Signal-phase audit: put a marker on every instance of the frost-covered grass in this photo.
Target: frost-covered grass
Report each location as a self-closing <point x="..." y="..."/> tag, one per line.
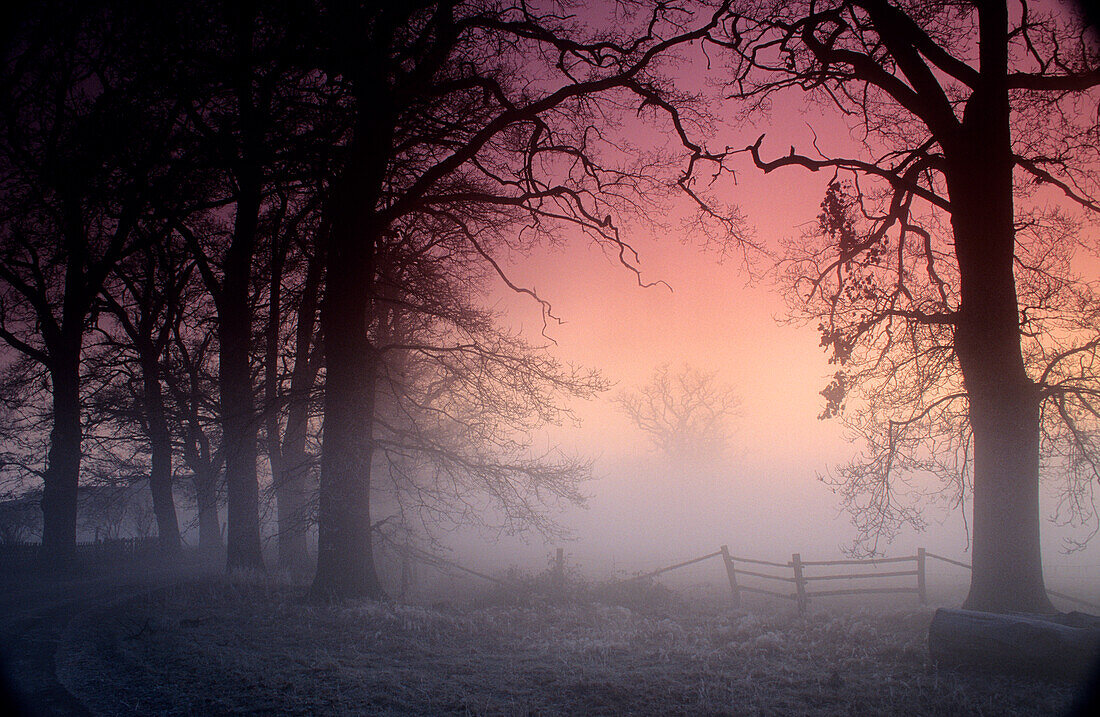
<point x="251" y="645"/>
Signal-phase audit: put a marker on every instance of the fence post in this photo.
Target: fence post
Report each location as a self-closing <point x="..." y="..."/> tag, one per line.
<point x="558" y="578"/>
<point x="799" y="582"/>
<point x="731" y="573"/>
<point x="921" y="588"/>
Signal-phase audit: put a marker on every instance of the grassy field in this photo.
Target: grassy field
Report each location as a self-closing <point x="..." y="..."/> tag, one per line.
<point x="252" y="646"/>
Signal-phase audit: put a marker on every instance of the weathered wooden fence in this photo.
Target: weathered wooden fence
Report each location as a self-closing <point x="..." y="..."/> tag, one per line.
<point x="1050" y="592"/>
<point x="796" y="580"/>
<point x="804" y="575"/>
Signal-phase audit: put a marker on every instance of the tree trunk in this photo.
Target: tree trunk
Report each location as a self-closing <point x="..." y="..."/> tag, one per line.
<point x="238" y="414"/>
<point x="292" y="494"/>
<point x="1004" y="402"/>
<point x="62" y="475"/>
<point x="205" y="464"/>
<point x="160" y="470"/>
<point x="206" y="498"/>
<point x="345" y="558"/>
<point x="286" y="450"/>
<point x="345" y="561"/>
<point x="297" y="490"/>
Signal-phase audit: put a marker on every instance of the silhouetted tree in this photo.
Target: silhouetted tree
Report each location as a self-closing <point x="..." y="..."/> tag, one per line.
<point x="258" y="118"/>
<point x="293" y="356"/>
<point x="684" y="413"/>
<point x="191" y="377"/>
<point x="144" y="298"/>
<point x="458" y="398"/>
<point x="924" y="271"/>
<point x="442" y="124"/>
<point x="84" y="132"/>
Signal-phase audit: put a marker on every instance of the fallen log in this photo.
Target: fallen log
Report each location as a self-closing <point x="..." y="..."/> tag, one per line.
<point x="1065" y="645"/>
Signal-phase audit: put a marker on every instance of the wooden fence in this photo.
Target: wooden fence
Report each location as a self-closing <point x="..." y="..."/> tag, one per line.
<point x="795" y="580"/>
<point x="804" y="575"/>
<point x="1050" y="592"/>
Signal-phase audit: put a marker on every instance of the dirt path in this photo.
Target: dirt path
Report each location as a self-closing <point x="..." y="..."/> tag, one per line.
<point x="35" y="612"/>
<point x="29" y="641"/>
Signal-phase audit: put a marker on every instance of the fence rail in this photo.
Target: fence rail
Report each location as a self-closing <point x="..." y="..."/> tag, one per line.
<point x="801" y="580"/>
<point x="684" y="564"/>
<point x="1063" y="596"/>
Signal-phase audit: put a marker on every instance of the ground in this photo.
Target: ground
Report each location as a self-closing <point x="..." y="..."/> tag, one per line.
<point x="250" y="644"/>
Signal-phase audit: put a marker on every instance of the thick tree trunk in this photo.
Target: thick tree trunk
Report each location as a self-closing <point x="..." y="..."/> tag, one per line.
<point x="237" y="406"/>
<point x="345" y="559"/>
<point x="62" y="475"/>
<point x="1007" y="563"/>
<point x="1004" y="418"/>
<point x="160" y="470"/>
<point x="1004" y="407"/>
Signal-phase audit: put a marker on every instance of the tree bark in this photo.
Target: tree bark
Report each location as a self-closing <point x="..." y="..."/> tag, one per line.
<point x="292" y="494"/>
<point x="65" y="342"/>
<point x="293" y="491"/>
<point x="203" y="463"/>
<point x="1003" y="401"/>
<point x="160" y="468"/>
<point x="62" y="475"/>
<point x="287" y="449"/>
<point x="238" y="413"/>
<point x="206" y="498"/>
<point x="345" y="558"/>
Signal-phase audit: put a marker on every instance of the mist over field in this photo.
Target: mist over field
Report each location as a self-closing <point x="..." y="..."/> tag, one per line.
<point x="510" y="357"/>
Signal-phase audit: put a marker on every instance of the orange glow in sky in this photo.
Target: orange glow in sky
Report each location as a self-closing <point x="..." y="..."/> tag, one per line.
<point x="766" y="497"/>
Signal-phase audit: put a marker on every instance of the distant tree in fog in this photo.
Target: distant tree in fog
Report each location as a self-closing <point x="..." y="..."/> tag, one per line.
<point x="686" y="412"/>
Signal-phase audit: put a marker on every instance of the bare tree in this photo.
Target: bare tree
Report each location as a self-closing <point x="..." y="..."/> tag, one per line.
<point x="441" y="123"/>
<point x="84" y="132"/>
<point x="939" y="284"/>
<point x="144" y="298"/>
<point x="686" y="412"/>
<point x="260" y="125"/>
<point x="293" y="355"/>
<point x="191" y="377"/>
<point x="459" y="398"/>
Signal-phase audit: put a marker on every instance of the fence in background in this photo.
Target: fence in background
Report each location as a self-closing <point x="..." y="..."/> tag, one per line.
<point x="805" y="575"/>
<point x="796" y="580"/>
<point x="18" y="555"/>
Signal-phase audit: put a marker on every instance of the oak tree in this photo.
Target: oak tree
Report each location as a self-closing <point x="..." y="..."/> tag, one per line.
<point x="940" y="283"/>
<point x="444" y="124"/>
<point x="683" y="412"/>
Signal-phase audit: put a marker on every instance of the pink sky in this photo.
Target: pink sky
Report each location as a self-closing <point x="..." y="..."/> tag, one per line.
<point x="768" y="496"/>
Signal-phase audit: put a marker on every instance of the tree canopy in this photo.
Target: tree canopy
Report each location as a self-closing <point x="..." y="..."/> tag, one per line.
<point x="940" y="271"/>
<point x="684" y="412"/>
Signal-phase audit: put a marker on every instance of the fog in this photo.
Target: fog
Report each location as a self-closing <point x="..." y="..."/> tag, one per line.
<point x="388" y="358"/>
<point x="764" y="497"/>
